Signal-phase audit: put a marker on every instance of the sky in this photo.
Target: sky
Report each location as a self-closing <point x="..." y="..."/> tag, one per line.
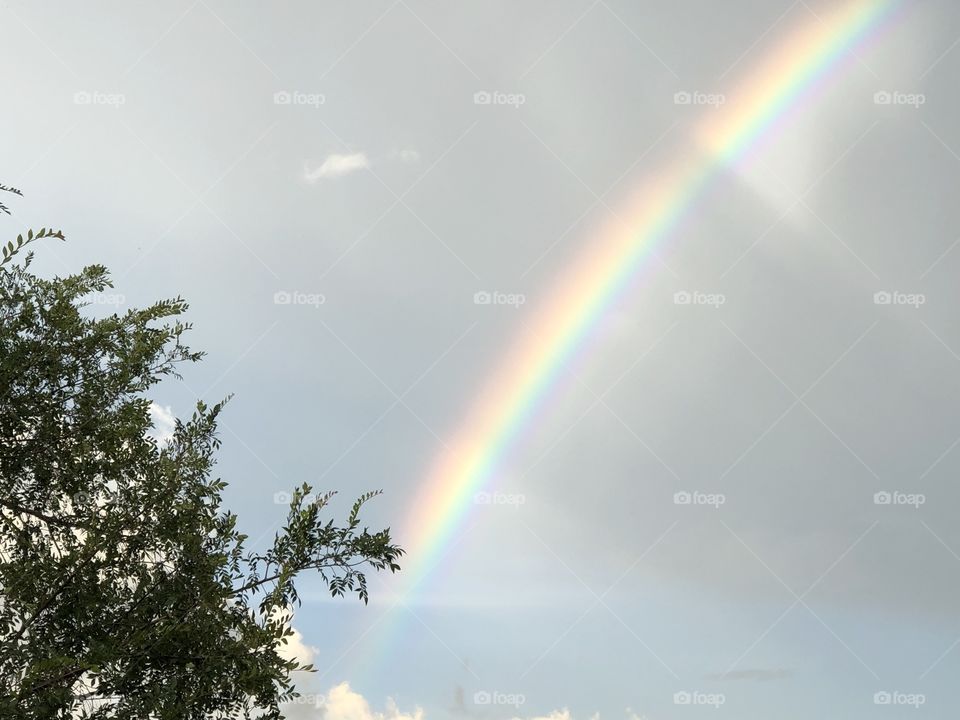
<point x="737" y="498"/>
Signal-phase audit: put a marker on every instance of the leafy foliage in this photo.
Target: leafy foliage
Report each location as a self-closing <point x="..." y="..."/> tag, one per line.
<point x="7" y="188"/>
<point x="126" y="591"/>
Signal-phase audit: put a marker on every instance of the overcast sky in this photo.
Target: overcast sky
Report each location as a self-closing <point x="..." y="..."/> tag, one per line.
<point x="324" y="185"/>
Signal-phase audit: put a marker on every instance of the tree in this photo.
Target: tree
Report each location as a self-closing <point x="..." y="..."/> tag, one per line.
<point x="126" y="591"/>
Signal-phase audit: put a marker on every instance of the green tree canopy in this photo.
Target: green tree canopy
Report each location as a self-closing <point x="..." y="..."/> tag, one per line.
<point x="126" y="590"/>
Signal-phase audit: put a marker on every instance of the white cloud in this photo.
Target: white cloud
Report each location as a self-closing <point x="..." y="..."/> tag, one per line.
<point x="164" y="421"/>
<point x="295" y="648"/>
<point x="342" y="703"/>
<point x="336" y="166"/>
<point x="556" y="715"/>
<point x="408" y="155"/>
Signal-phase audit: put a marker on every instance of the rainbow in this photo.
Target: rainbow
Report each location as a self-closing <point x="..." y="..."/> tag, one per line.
<point x="595" y="282"/>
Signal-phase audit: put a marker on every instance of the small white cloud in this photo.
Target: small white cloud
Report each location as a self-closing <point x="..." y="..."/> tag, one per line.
<point x="295" y="648"/>
<point x="337" y="166"/>
<point x="408" y="155"/>
<point x="555" y="715"/>
<point x="164" y="421"/>
<point x="342" y="703"/>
